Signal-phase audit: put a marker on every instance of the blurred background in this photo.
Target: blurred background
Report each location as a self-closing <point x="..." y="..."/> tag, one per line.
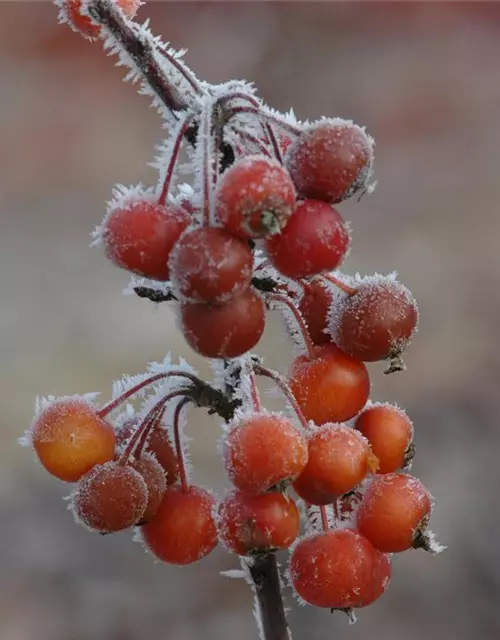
<point x="425" y="80"/>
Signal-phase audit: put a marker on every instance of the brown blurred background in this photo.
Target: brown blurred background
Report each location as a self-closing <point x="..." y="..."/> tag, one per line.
<point x="425" y="79"/>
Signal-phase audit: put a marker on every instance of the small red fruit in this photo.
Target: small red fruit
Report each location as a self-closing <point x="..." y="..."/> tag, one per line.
<point x="224" y="330"/>
<point x="394" y="510"/>
<point x="257" y="524"/>
<point x="315" y="240"/>
<point x="140" y="236"/>
<point x="382" y="574"/>
<point x="377" y="322"/>
<point x="315" y="308"/>
<point x="390" y="433"/>
<point x="331" y="160"/>
<point x="156" y="483"/>
<point x="339" y="459"/>
<point x="183" y="530"/>
<point x="334" y="569"/>
<point x="255" y="197"/>
<point x="209" y="264"/>
<point x="332" y="387"/>
<point x="263" y="451"/>
<point x="69" y="439"/>
<point x="110" y="498"/>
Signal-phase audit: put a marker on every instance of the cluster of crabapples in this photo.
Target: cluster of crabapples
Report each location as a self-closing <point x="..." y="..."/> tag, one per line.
<point x="260" y="231"/>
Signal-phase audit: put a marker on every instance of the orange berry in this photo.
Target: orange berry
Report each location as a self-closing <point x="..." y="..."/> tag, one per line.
<point x="395" y="508"/>
<point x="263" y="451"/>
<point x="69" y="438"/>
<point x="390" y="433"/>
<point x="339" y="459"/>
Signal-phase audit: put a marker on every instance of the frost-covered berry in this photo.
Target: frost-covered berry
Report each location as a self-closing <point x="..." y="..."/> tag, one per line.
<point x="224" y="330"/>
<point x="395" y="510"/>
<point x="339" y="459"/>
<point x="334" y="569"/>
<point x="263" y="451"/>
<point x="255" y="197"/>
<point x="110" y="498"/>
<point x="330" y="386"/>
<point x="139" y="236"/>
<point x="377" y="322"/>
<point x="70" y="438"/>
<point x="208" y="264"/>
<point x="315" y="239"/>
<point x="257" y="524"/>
<point x="331" y="160"/>
<point x="389" y="431"/>
<point x="183" y="529"/>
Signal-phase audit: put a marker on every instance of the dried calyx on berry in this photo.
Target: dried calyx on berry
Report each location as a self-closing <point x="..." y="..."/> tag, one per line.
<point x="254" y="231"/>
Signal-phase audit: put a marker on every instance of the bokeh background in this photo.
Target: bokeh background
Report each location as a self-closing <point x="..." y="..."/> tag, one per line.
<point x="425" y="79"/>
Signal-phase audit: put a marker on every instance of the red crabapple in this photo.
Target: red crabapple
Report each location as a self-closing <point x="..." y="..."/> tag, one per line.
<point x="257" y="524"/>
<point x="110" y="498"/>
<point x="208" y="264"/>
<point x="315" y="239"/>
<point x="334" y="569"/>
<point x="377" y="322"/>
<point x="315" y="307"/>
<point x="263" y="451"/>
<point x="225" y="330"/>
<point x="390" y="433"/>
<point x="339" y="459"/>
<point x="382" y="574"/>
<point x="156" y="482"/>
<point x="183" y="529"/>
<point x="331" y="160"/>
<point x="72" y="10"/>
<point x="255" y="197"/>
<point x="332" y="387"/>
<point x="69" y="438"/>
<point x="395" y="509"/>
<point x="140" y="236"/>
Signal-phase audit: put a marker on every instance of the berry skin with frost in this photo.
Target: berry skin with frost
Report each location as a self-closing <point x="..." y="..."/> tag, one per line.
<point x="110" y="498"/>
<point x="225" y="330"/>
<point x="315" y="240"/>
<point x="183" y="530"/>
<point x="339" y="459"/>
<point x="257" y="524"/>
<point x="156" y="482"/>
<point x="331" y="386"/>
<point x="263" y="451"/>
<point x="255" y="197"/>
<point x="208" y="264"/>
<point x="69" y="438"/>
<point x="140" y="236"/>
<point x="331" y="161"/>
<point x="334" y="569"/>
<point x="395" y="510"/>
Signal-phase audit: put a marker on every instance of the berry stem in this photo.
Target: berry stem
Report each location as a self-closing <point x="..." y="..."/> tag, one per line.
<point x="267" y="589"/>
<point x="144" y="429"/>
<point x="287" y="392"/>
<point x="178" y="443"/>
<point x="299" y="320"/>
<point x="274" y="142"/>
<point x="179" y="136"/>
<point x="324" y="518"/>
<point x="254" y="392"/>
<point x="111" y="406"/>
<point x="248" y="137"/>
<point x="338" y="283"/>
<point x="208" y="168"/>
<point x="266" y="116"/>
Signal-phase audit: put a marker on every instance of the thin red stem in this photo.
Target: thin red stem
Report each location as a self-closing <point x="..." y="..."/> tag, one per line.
<point x="338" y="283"/>
<point x="206" y="163"/>
<point x="156" y="419"/>
<point x="287" y="392"/>
<point x="267" y="117"/>
<point x="301" y="325"/>
<point x="274" y="142"/>
<point x="185" y="72"/>
<point x="173" y="159"/>
<point x="111" y="406"/>
<point x="178" y="443"/>
<point x="255" y="393"/>
<point x="324" y="518"/>
<point x="245" y="135"/>
<point x="147" y="423"/>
